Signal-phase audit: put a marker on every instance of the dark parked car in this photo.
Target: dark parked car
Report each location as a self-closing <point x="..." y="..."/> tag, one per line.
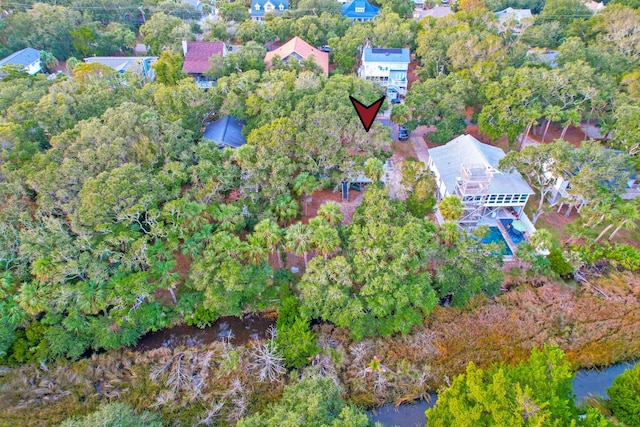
<point x="403" y="134"/>
<point x="325" y="49"/>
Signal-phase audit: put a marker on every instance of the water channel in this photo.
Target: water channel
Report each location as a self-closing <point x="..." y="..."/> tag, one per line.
<point x="253" y="326"/>
<point x="586" y="382"/>
<point x="238" y="330"/>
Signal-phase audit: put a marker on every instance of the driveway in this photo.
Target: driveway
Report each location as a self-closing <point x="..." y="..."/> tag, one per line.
<point x="419" y="146"/>
<point x="387" y="122"/>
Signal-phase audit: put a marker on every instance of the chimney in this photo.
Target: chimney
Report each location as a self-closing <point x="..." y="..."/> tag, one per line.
<point x="184" y="47"/>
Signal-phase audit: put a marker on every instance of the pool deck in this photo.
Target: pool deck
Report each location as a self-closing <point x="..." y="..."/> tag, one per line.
<point x="495" y="222"/>
<point x="507" y="237"/>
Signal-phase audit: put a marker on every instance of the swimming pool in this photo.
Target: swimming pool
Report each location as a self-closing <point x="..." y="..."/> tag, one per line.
<point x="495" y="236"/>
<point x="515" y="235"/>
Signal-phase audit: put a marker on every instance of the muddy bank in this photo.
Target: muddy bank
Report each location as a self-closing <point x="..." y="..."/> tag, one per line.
<point x="235" y="330"/>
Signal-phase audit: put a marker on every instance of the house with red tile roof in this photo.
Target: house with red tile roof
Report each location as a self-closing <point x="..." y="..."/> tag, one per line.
<point x="196" y="59"/>
<point x="297" y="49"/>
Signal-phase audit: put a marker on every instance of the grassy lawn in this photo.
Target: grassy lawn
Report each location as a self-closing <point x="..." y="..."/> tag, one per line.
<point x="548" y="221"/>
<point x="555" y="233"/>
<point x="556" y="224"/>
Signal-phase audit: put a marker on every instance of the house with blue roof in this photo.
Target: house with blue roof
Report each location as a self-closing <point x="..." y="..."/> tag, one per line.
<point x="259" y="8"/>
<point x="28" y="59"/>
<point x="387" y="67"/>
<point x="360" y="10"/>
<point x="225" y="132"/>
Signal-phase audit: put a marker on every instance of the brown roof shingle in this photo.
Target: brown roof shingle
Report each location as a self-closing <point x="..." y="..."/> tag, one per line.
<point x="196" y="60"/>
<point x="303" y="49"/>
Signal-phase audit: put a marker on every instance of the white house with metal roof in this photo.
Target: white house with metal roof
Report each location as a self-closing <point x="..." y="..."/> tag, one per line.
<point x="28" y="58"/>
<point x="511" y="14"/>
<point x="135" y="64"/>
<point x="468" y="169"/>
<point x="387" y="67"/>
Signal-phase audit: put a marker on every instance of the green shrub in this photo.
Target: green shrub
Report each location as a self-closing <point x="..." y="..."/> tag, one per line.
<point x="294" y="338"/>
<point x="313" y="402"/>
<point x="420" y="207"/>
<point x="29" y="345"/>
<point x="625" y="397"/>
<point x="619" y="255"/>
<point x="115" y="415"/>
<point x="559" y="264"/>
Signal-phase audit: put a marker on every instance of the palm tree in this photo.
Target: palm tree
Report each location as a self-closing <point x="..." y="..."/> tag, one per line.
<point x="629" y="216"/>
<point x="532" y="115"/>
<point x="551" y="113"/>
<point x="303" y="185"/>
<point x="451" y="208"/>
<point x="373" y="169"/>
<point x="269" y="234"/>
<point x="542" y="240"/>
<point x="613" y="215"/>
<point x="572" y="118"/>
<point x="164" y="271"/>
<point x="449" y="233"/>
<point x="254" y="251"/>
<point x="285" y="208"/>
<point x="325" y="239"/>
<point x="298" y="240"/>
<point x="332" y="212"/>
<point x="227" y="216"/>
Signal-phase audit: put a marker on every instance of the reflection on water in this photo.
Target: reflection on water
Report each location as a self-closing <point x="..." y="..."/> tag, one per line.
<point x="586" y="382"/>
<point x="409" y="415"/>
<point x="234" y="329"/>
<point x="258" y="326"/>
<point x="597" y="381"/>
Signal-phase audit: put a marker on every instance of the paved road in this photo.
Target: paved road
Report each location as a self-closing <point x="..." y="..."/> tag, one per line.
<point x="387" y="122"/>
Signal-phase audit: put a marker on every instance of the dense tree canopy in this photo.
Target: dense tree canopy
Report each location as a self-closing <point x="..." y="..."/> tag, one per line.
<point x="536" y="391"/>
<point x="118" y="218"/>
<point x="313" y="402"/>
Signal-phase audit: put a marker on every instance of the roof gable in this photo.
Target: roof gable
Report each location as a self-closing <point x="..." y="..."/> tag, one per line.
<point x="511" y="13"/>
<point x="196" y="59"/>
<point x="467" y="150"/>
<point x="275" y="3"/>
<point x="298" y="46"/>
<point x="349" y="10"/>
<point x="225" y="131"/>
<point x="24" y="57"/>
<point x="278" y="5"/>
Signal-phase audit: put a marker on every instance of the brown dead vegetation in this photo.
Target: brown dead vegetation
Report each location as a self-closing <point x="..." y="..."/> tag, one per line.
<point x="219" y="380"/>
<point x="591" y="330"/>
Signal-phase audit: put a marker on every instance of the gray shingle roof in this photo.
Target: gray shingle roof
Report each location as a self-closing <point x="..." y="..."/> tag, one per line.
<point x="465" y="149"/>
<point x="225" y="131"/>
<point x="24" y="57"/>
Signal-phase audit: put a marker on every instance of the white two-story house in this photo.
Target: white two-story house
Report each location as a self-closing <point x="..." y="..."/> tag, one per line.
<point x="468" y="169"/>
<point x="27" y="59"/>
<point x="387" y="67"/>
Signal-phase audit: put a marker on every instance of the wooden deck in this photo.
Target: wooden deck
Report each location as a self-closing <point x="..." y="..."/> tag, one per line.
<point x="507" y="237"/>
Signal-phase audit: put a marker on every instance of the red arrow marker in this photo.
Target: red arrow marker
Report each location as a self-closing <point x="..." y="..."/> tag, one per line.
<point x="366" y="113"/>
